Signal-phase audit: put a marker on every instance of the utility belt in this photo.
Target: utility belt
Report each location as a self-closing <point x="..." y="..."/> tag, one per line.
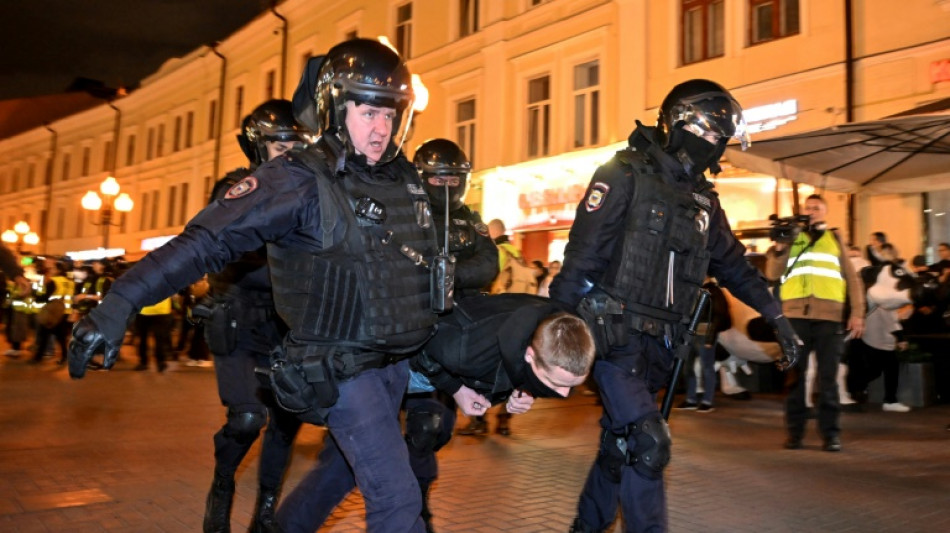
<point x="305" y="377"/>
<point x="611" y="321"/>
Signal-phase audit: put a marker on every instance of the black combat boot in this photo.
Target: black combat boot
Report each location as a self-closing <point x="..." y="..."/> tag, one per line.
<point x="504" y="424"/>
<point x="265" y="514"/>
<point x="218" y="506"/>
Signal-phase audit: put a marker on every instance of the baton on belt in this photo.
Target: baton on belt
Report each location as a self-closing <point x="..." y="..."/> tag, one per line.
<point x="682" y="351"/>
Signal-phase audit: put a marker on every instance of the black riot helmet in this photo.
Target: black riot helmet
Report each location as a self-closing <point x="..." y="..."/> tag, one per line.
<point x="271" y="121"/>
<point x="700" y="110"/>
<point x="366" y="72"/>
<point x="446" y="164"/>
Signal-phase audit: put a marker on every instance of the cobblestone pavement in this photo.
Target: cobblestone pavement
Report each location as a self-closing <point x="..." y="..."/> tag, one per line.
<point x="128" y="451"/>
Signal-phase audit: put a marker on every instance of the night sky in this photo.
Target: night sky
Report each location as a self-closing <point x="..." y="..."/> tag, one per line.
<point x="46" y="44"/>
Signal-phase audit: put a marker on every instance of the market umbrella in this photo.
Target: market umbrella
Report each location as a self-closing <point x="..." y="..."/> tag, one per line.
<point x="900" y="154"/>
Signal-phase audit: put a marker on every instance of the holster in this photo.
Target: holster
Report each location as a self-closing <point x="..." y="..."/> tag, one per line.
<point x="304" y="381"/>
<point x="221" y="329"/>
<point x="604" y="316"/>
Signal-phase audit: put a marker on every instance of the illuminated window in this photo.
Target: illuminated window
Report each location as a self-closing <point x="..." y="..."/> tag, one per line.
<point x="468" y="17"/>
<point x="539" y="116"/>
<point x="404" y="30"/>
<point x="586" y="104"/>
<point x="703" y="30"/>
<point x="465" y="127"/>
<point x="772" y="19"/>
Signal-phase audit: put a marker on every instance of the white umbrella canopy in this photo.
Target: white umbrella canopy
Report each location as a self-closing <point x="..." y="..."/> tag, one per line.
<point x="901" y="154"/>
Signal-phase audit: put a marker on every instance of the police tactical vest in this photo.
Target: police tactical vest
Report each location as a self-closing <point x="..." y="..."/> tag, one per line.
<point x="660" y="266"/>
<point x="361" y="292"/>
<point x="814" y="269"/>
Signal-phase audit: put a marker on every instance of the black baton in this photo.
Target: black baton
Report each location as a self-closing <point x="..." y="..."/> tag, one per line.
<point x="682" y="352"/>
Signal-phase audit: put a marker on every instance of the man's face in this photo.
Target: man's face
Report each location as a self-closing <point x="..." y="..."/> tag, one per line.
<point x="276" y="148"/>
<point x="943" y="251"/>
<point x="816" y="210"/>
<point x="556" y="378"/>
<point x="370" y="128"/>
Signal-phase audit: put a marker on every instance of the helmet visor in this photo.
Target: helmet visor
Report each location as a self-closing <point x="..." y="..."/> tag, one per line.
<point x="713" y="116"/>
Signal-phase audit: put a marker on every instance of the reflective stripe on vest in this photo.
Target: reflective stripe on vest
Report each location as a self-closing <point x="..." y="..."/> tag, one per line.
<point x="816" y="272"/>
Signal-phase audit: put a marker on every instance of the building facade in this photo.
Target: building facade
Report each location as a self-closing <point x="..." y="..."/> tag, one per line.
<point x="538" y="92"/>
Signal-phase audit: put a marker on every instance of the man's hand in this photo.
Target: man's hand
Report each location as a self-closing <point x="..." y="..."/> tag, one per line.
<point x="789" y="342"/>
<point x="470" y="402"/>
<point x="101" y="331"/>
<point x="856" y="327"/>
<point x="519" y="402"/>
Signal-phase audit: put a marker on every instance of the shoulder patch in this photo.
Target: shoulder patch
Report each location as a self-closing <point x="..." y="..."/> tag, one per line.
<point x="415" y="189"/>
<point x="482" y="229"/>
<point x="596" y="196"/>
<point x="242" y="188"/>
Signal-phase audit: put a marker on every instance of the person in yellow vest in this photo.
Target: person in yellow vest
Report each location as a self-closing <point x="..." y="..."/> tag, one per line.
<point x="55" y="291"/>
<point x="823" y="298"/>
<point x="154" y="320"/>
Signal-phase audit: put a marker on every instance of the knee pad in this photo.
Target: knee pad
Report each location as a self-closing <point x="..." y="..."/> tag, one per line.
<point x="423" y="431"/>
<point x="245" y="425"/>
<point x="648" y="445"/>
<point x="613" y="454"/>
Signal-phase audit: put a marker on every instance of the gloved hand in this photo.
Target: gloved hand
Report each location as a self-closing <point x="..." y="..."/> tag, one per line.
<point x="789" y="342"/>
<point x="102" y="330"/>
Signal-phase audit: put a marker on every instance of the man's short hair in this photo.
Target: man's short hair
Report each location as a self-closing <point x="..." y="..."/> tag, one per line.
<point x="816" y="197"/>
<point x="563" y="340"/>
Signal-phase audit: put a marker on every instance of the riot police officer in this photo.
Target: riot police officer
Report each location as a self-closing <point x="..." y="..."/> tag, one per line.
<point x="647" y="232"/>
<point x="242" y="328"/>
<point x="348" y="231"/>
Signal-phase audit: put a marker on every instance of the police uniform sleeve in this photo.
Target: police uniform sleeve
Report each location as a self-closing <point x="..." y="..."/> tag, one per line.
<point x="481" y="268"/>
<point x="730" y="267"/>
<point x="598" y="227"/>
<point x="261" y="208"/>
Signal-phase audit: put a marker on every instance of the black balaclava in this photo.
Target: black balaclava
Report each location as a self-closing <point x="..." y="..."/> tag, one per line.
<point x="695" y="153"/>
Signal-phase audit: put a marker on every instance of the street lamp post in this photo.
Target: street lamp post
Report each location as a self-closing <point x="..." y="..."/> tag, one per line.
<point x="110" y="202"/>
<point x="20" y="235"/>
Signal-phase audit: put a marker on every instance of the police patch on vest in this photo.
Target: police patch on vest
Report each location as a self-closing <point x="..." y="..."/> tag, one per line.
<point x="460" y="222"/>
<point x="702" y="200"/>
<point x="242" y="188"/>
<point x="415" y="189"/>
<point x="702" y="221"/>
<point x="595" y="198"/>
<point x="482" y="229"/>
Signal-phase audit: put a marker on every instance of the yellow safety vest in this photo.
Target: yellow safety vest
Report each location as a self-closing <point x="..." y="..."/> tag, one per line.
<point x="65" y="288"/>
<point x="814" y="270"/>
<point x="163" y="307"/>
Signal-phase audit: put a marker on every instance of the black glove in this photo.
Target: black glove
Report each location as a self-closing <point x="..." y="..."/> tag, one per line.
<point x="102" y="330"/>
<point x="789" y="342"/>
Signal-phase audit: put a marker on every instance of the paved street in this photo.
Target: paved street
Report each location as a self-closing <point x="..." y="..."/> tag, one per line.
<point x="126" y="451"/>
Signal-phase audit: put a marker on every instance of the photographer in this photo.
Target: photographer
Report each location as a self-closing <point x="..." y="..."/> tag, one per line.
<point x="823" y="297"/>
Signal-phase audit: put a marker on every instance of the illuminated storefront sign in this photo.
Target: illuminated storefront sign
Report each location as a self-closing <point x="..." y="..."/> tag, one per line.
<point x="770" y="116"/>
<point x="98" y="253"/>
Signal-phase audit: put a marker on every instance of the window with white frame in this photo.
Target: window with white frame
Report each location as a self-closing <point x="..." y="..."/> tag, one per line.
<point x="176" y="136"/>
<point x="468" y="17"/>
<point x="160" y="141"/>
<point x="465" y="127"/>
<point x="150" y="145"/>
<point x="586" y="104"/>
<point x="189" y="128"/>
<point x="404" y="30"/>
<point x="539" y="116"/>
<point x="703" y="30"/>
<point x="772" y="19"/>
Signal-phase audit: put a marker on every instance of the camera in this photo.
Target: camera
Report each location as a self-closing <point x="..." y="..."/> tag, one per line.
<point x="786" y="229"/>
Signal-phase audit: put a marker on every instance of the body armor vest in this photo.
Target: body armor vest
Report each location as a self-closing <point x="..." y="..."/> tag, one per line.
<point x="660" y="266"/>
<point x="361" y="292"/>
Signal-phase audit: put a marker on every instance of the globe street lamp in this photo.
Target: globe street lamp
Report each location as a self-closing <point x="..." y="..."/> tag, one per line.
<point x="20" y="235"/>
<point x="110" y="202"/>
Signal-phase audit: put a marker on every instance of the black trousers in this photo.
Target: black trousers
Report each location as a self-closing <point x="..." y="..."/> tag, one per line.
<point x="826" y="339"/>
